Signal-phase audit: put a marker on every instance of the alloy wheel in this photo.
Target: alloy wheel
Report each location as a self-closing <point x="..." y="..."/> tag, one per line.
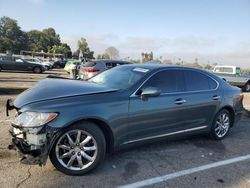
<point x="76" y="150"/>
<point x="222" y="125"/>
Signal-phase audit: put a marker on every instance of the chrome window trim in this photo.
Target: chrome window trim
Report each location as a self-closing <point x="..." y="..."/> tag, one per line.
<point x="164" y="135"/>
<point x="179" y="92"/>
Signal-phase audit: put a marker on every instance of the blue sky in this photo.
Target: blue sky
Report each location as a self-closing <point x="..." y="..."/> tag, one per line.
<point x="210" y="30"/>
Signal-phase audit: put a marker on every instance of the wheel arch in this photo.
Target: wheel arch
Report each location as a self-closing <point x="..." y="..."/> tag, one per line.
<point x="105" y="128"/>
<point x="230" y="110"/>
<point x="244" y="87"/>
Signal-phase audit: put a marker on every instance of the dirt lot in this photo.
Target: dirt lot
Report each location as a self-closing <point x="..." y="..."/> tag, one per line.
<point x="161" y="160"/>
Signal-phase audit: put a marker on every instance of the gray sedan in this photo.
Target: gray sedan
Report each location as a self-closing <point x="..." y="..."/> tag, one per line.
<point x="76" y="123"/>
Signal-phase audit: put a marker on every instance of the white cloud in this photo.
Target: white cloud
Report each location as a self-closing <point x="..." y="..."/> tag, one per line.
<point x="98" y="43"/>
<point x="207" y="50"/>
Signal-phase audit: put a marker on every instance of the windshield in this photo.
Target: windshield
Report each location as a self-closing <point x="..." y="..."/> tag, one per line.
<point x="120" y="77"/>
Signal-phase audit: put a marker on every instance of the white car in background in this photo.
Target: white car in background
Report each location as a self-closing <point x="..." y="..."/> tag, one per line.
<point x="48" y="65"/>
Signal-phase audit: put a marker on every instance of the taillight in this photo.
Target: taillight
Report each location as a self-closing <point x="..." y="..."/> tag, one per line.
<point x="90" y="69"/>
<point x="241" y="96"/>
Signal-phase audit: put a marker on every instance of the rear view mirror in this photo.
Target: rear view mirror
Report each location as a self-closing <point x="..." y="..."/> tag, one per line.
<point x="150" y="92"/>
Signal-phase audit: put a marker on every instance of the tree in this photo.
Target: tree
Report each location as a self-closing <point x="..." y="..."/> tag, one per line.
<point x="83" y="49"/>
<point x="147" y="56"/>
<point x="67" y="52"/>
<point x="208" y="67"/>
<point x="103" y="56"/>
<point x="37" y="41"/>
<point x="61" y="49"/>
<point x="12" y="38"/>
<point x="43" y="40"/>
<point x="52" y="37"/>
<point x="112" y="52"/>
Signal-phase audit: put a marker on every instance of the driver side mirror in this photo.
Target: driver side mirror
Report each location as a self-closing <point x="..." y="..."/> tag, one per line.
<point x="150" y="92"/>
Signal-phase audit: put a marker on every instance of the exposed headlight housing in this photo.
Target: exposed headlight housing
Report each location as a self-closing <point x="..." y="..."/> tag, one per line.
<point x="33" y="119"/>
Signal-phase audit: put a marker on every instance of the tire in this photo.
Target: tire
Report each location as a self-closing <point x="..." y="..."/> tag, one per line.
<point x="37" y="70"/>
<point x="221" y="125"/>
<point x="92" y="146"/>
<point x="247" y="87"/>
<point x="0" y="68"/>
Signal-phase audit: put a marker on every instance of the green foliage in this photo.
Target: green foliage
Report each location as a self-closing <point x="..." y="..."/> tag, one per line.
<point x="12" y="38"/>
<point x="61" y="49"/>
<point x="245" y="71"/>
<point x="208" y="67"/>
<point x="147" y="57"/>
<point x="83" y="49"/>
<point x="43" y="40"/>
<point x="103" y="56"/>
<point x="37" y="41"/>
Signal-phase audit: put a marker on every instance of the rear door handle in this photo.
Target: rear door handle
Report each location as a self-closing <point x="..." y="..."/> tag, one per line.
<point x="216" y="97"/>
<point x="180" y="101"/>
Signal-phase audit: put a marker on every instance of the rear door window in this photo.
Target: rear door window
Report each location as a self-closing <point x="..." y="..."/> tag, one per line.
<point x="196" y="81"/>
<point x="167" y="81"/>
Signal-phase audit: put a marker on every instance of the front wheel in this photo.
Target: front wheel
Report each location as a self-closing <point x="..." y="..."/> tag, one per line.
<point x="79" y="149"/>
<point x="46" y="68"/>
<point x="221" y="125"/>
<point x="37" y="70"/>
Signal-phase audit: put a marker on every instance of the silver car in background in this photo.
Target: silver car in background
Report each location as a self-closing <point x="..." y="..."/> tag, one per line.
<point x="92" y="68"/>
<point x="48" y="65"/>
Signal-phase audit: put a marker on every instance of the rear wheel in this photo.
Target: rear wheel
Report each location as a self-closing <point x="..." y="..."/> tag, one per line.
<point x="221" y="125"/>
<point x="37" y="70"/>
<point x="247" y="87"/>
<point x="79" y="149"/>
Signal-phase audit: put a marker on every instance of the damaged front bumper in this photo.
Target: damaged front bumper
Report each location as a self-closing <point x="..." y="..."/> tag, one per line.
<point x="32" y="144"/>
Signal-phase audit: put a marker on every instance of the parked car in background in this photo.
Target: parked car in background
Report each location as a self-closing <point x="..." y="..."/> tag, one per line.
<point x="232" y="74"/>
<point x="94" y="67"/>
<point x="60" y="64"/>
<point x="48" y="65"/>
<point x="76" y="122"/>
<point x="13" y="63"/>
<point x="71" y="64"/>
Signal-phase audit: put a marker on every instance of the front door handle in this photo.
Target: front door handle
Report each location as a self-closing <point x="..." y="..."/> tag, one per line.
<point x="216" y="97"/>
<point x="180" y="101"/>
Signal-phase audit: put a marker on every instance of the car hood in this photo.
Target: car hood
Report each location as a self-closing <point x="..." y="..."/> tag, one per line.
<point x="48" y="89"/>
